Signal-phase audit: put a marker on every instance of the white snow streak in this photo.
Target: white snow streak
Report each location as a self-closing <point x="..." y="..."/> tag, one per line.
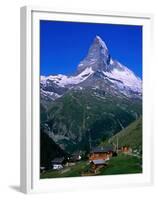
<point x="63" y="80"/>
<point x="127" y="77"/>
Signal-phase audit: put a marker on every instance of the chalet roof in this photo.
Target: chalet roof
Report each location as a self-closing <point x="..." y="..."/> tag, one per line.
<point x="78" y="153"/>
<point x="99" y="162"/>
<point x="58" y="160"/>
<point x="102" y="149"/>
<point x="74" y="157"/>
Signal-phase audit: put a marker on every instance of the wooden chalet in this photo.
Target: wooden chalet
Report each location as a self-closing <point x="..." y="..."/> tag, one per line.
<point x="101" y="153"/>
<point x="97" y="164"/>
<point x="75" y="157"/>
<point x="126" y="149"/>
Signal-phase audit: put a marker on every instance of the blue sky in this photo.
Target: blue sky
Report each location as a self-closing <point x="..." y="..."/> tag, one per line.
<point x="64" y="44"/>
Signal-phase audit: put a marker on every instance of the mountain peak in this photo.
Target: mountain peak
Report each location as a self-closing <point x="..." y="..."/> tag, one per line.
<point x="98" y="56"/>
<point x="99" y="41"/>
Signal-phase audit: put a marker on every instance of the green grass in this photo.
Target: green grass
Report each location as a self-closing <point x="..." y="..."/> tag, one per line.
<point x="122" y="164"/>
<point x="74" y="171"/>
<point x="131" y="136"/>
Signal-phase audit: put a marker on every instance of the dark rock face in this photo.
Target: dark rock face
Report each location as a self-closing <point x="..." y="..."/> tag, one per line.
<point x="49" y="150"/>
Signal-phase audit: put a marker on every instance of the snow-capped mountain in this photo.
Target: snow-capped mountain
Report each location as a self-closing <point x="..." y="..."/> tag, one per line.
<point x="97" y="70"/>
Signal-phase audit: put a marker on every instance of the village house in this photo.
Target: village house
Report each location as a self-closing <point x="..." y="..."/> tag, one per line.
<point x="42" y="169"/>
<point x="58" y="163"/>
<point x="126" y="149"/>
<point x="99" y="156"/>
<point x="75" y="157"/>
<point x="101" y="153"/>
<point x="97" y="164"/>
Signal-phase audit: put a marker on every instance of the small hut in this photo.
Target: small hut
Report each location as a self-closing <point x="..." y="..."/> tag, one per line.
<point x="58" y="163"/>
<point x="75" y="157"/>
<point x="126" y="149"/>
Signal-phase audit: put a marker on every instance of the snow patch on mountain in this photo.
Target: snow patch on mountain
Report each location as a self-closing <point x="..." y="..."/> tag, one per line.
<point x="51" y="95"/>
<point x="127" y="77"/>
<point x="63" y="80"/>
